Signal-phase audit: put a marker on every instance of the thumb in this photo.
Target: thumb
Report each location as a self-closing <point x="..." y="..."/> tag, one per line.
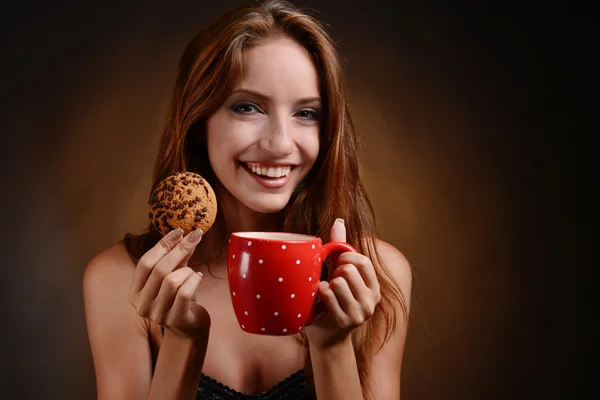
<point x="338" y="231"/>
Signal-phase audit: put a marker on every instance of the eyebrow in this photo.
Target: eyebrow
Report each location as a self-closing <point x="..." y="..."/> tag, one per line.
<point x="262" y="96"/>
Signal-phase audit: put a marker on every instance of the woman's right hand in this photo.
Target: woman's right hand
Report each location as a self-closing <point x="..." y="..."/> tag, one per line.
<point x="163" y="286"/>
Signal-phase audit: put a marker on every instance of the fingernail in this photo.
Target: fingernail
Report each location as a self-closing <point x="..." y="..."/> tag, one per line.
<point x="200" y="273"/>
<point x="340" y="220"/>
<point x="195" y="236"/>
<point x="174" y="235"/>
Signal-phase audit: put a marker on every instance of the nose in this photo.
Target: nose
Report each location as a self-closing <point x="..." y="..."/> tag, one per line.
<point x="277" y="140"/>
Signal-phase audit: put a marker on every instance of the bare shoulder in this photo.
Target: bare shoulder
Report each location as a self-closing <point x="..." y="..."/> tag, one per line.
<point x="118" y="336"/>
<point x="386" y="364"/>
<point x="110" y="266"/>
<point x="396" y="265"/>
<point x="106" y="283"/>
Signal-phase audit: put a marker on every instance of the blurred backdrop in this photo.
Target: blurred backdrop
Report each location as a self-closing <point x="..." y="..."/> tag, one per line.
<point x="471" y="117"/>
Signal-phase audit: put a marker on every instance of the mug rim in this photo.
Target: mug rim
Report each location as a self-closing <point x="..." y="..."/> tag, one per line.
<point x="276" y="236"/>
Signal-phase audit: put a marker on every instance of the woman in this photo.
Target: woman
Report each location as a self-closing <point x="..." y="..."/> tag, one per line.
<point x="261" y="85"/>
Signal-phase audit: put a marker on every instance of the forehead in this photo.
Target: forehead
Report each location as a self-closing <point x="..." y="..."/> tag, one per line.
<point x="279" y="67"/>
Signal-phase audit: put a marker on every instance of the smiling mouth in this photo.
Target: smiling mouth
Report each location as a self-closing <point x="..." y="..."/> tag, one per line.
<point x="268" y="171"/>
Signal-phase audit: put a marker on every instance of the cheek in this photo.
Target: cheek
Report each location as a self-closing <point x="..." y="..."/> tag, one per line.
<point x="226" y="137"/>
<point x="212" y="140"/>
<point x="309" y="146"/>
<point x="219" y="144"/>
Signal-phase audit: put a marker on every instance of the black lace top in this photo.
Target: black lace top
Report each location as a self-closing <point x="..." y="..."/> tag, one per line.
<point x="293" y="387"/>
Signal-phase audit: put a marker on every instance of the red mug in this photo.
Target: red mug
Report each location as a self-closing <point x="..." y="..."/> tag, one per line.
<point x="274" y="277"/>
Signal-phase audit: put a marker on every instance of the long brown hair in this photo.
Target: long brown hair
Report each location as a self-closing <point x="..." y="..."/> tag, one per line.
<point x="208" y="70"/>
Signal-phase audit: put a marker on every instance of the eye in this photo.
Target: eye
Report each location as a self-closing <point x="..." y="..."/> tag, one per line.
<point x="245" y="108"/>
<point x="308" y="113"/>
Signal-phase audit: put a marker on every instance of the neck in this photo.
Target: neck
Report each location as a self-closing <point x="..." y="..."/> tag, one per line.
<point x="233" y="216"/>
<point x="239" y="218"/>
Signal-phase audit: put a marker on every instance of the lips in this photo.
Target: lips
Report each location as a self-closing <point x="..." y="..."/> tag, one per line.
<point x="270" y="175"/>
<point x="270" y="170"/>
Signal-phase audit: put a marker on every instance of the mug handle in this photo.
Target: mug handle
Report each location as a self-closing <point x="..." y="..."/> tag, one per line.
<point x="333" y="251"/>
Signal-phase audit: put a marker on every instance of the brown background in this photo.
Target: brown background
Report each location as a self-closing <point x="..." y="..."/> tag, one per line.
<point x="472" y="120"/>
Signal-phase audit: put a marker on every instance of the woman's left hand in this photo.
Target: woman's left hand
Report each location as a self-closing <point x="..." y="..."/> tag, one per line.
<point x="350" y="297"/>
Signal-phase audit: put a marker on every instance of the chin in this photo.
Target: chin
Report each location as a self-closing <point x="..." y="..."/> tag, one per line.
<point x="268" y="205"/>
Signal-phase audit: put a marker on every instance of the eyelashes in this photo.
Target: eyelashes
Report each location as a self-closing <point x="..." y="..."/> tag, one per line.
<point x="248" y="108"/>
<point x="245" y="108"/>
<point x="309" y="114"/>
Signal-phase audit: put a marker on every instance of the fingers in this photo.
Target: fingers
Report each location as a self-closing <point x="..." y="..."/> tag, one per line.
<point x="363" y="265"/>
<point x="168" y="291"/>
<point x="185" y="294"/>
<point x="183" y="251"/>
<point x="343" y="294"/>
<point x="357" y="301"/>
<point x="147" y="262"/>
<point x="178" y="255"/>
<point x="337" y="234"/>
<point x="353" y="293"/>
<point x="338" y="231"/>
<point x="331" y="302"/>
<point x="349" y="274"/>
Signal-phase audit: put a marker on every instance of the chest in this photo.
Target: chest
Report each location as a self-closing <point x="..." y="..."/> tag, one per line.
<point x="245" y="362"/>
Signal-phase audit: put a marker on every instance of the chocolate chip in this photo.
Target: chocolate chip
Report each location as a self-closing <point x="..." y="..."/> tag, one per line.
<point x="202" y="181"/>
<point x="164" y="196"/>
<point x="204" y="209"/>
<point x="189" y="191"/>
<point x="185" y="202"/>
<point x="186" y="182"/>
<point x="178" y="191"/>
<point x="158" y="214"/>
<point x="197" y="219"/>
<point x="192" y="203"/>
<point x="150" y="215"/>
<point x="170" y="215"/>
<point x="198" y="212"/>
<point x="180" y="216"/>
<point x="170" y="188"/>
<point x="197" y="182"/>
<point x="197" y="199"/>
<point x="184" y="212"/>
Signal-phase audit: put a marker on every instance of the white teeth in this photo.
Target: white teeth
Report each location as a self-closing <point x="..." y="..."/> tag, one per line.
<point x="269" y="171"/>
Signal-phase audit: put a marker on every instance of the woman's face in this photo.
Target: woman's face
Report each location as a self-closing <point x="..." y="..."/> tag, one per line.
<point x="265" y="138"/>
